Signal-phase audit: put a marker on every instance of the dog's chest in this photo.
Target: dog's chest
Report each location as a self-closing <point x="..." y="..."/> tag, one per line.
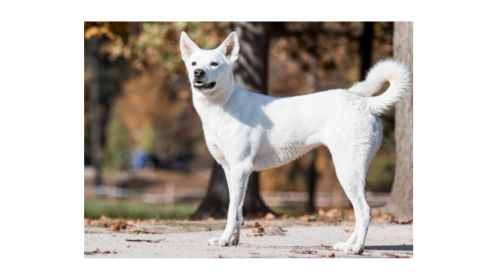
<point x="215" y="149"/>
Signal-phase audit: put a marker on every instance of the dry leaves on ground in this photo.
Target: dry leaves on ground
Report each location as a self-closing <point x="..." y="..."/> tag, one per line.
<point x="269" y="216"/>
<point x="115" y="224"/>
<point x="98" y="251"/>
<point x="307" y="218"/>
<point x="145" y="240"/>
<point x="325" y="247"/>
<point x="134" y="229"/>
<point x="303" y="251"/>
<point x="312" y="252"/>
<point x="261" y="229"/>
<point x="334" y="215"/>
<point x="396" y="255"/>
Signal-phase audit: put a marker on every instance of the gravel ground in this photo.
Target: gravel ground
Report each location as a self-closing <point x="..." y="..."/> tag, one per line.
<point x="260" y="239"/>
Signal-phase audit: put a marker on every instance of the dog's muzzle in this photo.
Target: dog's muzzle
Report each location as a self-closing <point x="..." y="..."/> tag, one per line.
<point x="201" y="84"/>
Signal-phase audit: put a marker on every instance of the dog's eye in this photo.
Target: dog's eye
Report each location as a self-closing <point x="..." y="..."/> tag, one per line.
<point x="194" y="63"/>
<point x="214" y="64"/>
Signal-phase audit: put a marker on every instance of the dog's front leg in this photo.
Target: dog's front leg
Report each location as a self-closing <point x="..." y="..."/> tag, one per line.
<point x="237" y="187"/>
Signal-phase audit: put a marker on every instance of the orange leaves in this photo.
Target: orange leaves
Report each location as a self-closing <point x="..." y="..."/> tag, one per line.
<point x="115" y="225"/>
<point x="269" y="216"/>
<point x="98" y="31"/>
<point x="111" y="30"/>
<point x="262" y="229"/>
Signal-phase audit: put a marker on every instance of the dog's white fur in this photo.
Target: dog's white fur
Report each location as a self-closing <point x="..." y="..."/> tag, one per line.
<point x="247" y="132"/>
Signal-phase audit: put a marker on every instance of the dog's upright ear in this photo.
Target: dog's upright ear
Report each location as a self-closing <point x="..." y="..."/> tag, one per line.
<point x="187" y="46"/>
<point x="230" y="47"/>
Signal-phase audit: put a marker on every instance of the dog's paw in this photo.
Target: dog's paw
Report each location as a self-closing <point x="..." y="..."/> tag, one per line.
<point x="356" y="249"/>
<point x="215" y="241"/>
<point x="340" y="246"/>
<point x="348" y="248"/>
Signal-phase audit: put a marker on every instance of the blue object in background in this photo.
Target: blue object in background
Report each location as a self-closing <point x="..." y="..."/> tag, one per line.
<point x="139" y="160"/>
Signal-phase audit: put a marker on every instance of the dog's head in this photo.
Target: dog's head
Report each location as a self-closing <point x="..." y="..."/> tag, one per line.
<point x="209" y="70"/>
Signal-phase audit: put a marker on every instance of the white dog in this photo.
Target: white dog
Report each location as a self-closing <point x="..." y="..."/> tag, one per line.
<point x="247" y="132"/>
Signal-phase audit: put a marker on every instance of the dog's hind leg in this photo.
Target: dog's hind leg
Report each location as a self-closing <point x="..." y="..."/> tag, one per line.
<point x="351" y="165"/>
<point x="353" y="182"/>
<point x="355" y="191"/>
<point x="237" y="187"/>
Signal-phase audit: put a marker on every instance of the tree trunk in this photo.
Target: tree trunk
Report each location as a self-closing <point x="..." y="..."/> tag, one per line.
<point x="366" y="42"/>
<point x="311" y="181"/>
<point x="251" y="73"/>
<point x="400" y="203"/>
<point x="96" y="110"/>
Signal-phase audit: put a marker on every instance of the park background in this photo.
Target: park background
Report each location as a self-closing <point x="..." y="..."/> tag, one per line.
<point x="145" y="156"/>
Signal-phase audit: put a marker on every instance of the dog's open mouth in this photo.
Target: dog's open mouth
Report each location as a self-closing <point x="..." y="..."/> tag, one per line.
<point x="203" y="85"/>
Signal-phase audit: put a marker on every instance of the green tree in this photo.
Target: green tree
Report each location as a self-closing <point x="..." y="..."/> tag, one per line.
<point x="116" y="154"/>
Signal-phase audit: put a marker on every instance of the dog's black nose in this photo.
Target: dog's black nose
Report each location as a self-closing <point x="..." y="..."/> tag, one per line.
<point x="199" y="73"/>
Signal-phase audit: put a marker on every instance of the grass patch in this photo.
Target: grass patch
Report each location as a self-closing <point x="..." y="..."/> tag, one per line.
<point x="290" y="211"/>
<point x="94" y="207"/>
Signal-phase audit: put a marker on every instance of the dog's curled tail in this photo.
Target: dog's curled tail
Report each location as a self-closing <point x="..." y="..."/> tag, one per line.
<point x="388" y="70"/>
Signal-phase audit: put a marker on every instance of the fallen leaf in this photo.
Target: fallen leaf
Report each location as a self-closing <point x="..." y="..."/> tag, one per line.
<point x="117" y="225"/>
<point x="312" y="252"/>
<point x="265" y="229"/>
<point x="256" y="225"/>
<point x="270" y="216"/>
<point x="145" y="240"/>
<point x="334" y="213"/>
<point x="307" y="218"/>
<point x="350" y="216"/>
<point x="134" y="229"/>
<point x="260" y="230"/>
<point x="97" y="251"/>
<point x="303" y="251"/>
<point x="403" y="222"/>
<point x="254" y="234"/>
<point x="392" y="255"/>
<point x="325" y="247"/>
<point x="331" y="255"/>
<point x="112" y="224"/>
<point x="376" y="212"/>
<point x="274" y="230"/>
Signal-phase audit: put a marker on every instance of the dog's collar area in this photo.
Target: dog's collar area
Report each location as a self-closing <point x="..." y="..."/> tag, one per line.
<point x="203" y="85"/>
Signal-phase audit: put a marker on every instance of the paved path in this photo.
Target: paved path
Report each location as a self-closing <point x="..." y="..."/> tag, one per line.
<point x="189" y="239"/>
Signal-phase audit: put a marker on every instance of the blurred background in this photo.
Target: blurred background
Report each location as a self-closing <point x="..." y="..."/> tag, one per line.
<point x="145" y="155"/>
